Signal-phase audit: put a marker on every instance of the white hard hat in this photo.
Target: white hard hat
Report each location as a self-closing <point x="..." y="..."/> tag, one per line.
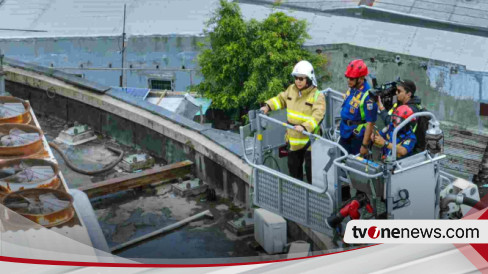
<point x="305" y="68"/>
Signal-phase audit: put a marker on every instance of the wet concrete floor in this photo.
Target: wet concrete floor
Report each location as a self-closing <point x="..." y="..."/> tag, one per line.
<point x="130" y="214"/>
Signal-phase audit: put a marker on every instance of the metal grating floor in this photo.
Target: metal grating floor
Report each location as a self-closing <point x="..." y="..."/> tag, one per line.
<point x="292" y="201"/>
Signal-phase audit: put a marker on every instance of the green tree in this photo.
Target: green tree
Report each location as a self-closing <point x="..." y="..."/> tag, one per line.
<point x="246" y="62"/>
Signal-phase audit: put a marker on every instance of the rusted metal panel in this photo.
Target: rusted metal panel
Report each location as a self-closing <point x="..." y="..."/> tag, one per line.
<point x="483" y="109"/>
<point x="24" y="118"/>
<point x="55" y="210"/>
<point x="464" y="135"/>
<point x="456" y="142"/>
<point x="51" y="182"/>
<point x="21" y="150"/>
<point x="465" y="150"/>
<point x="461" y="165"/>
<point x="168" y="172"/>
<point x="43" y="153"/>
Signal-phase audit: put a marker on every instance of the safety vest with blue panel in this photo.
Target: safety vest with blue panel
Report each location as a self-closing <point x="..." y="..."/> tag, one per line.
<point x="406" y="138"/>
<point x="357" y="110"/>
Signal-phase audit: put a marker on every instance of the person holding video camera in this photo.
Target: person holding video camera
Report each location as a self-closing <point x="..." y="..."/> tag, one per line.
<point x="359" y="111"/>
<point x="405" y="140"/>
<point x="305" y="108"/>
<point x="405" y="91"/>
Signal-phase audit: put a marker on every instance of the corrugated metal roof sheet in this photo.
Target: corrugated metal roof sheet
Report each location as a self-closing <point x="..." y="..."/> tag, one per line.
<point x="468" y="12"/>
<point x="204" y="102"/>
<point x="136" y="92"/>
<point x="176" y="118"/>
<point x="172" y="103"/>
<point x="465" y="150"/>
<point x="428" y="43"/>
<point x="147" y="17"/>
<point x="103" y="17"/>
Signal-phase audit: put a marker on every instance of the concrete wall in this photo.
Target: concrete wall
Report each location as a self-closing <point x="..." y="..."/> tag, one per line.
<point x="450" y="91"/>
<point x="148" y="56"/>
<point x="135" y="127"/>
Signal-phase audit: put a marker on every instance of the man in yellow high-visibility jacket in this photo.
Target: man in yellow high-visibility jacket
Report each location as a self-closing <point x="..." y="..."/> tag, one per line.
<point x="305" y="108"/>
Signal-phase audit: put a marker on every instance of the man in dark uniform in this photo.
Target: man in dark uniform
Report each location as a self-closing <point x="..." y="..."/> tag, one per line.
<point x="405" y="96"/>
<point x="405" y="137"/>
<point x="359" y="111"/>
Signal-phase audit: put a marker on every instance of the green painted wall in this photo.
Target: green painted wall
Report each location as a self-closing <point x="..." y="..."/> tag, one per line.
<point x="450" y="91"/>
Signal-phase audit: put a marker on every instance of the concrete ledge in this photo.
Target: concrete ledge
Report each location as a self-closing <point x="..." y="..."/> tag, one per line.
<point x="77" y="81"/>
<point x="187" y="137"/>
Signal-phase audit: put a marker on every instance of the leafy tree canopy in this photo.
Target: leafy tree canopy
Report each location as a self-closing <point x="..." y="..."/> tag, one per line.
<point x="247" y="62"/>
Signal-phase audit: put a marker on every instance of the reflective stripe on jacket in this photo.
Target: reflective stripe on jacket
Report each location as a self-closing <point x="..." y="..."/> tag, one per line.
<point x="357" y="107"/>
<point x="305" y="108"/>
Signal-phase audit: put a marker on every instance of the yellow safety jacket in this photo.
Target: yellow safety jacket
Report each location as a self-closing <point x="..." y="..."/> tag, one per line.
<point x="305" y="108"/>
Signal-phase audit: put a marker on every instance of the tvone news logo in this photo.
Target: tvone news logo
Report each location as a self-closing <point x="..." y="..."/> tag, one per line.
<point x="417" y="231"/>
<point x="373" y="232"/>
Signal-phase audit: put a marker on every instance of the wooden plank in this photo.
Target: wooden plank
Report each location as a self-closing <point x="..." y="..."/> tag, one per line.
<point x="165" y="173"/>
<point x="465" y="150"/>
<point x="172" y="93"/>
<point x="450" y="132"/>
<point x="461" y="164"/>
<point x="465" y="143"/>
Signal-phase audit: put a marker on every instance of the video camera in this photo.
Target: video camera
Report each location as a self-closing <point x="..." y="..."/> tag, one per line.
<point x="385" y="91"/>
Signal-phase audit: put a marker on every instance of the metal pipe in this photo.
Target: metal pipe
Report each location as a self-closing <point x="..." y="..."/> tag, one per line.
<point x="123" y="51"/>
<point x="447" y="175"/>
<point x="163" y="230"/>
<point x="331" y="97"/>
<point x="459" y="199"/>
<point x="306" y="133"/>
<point x="201" y="114"/>
<point x="22" y="30"/>
<point x="404" y="123"/>
<point x="285" y="177"/>
<point x="273" y="172"/>
<point x="259" y="144"/>
<point x="338" y="163"/>
<point x="191" y="79"/>
<point x="118" y="69"/>
<point x="278" y="174"/>
<point x="2" y="74"/>
<point x="473" y="203"/>
<point x="243" y="144"/>
<point x="419" y="164"/>
<point x="86" y="172"/>
<point x="329" y="90"/>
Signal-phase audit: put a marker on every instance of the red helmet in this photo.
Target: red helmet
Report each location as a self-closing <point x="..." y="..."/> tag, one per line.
<point x="401" y="113"/>
<point x="356" y="69"/>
